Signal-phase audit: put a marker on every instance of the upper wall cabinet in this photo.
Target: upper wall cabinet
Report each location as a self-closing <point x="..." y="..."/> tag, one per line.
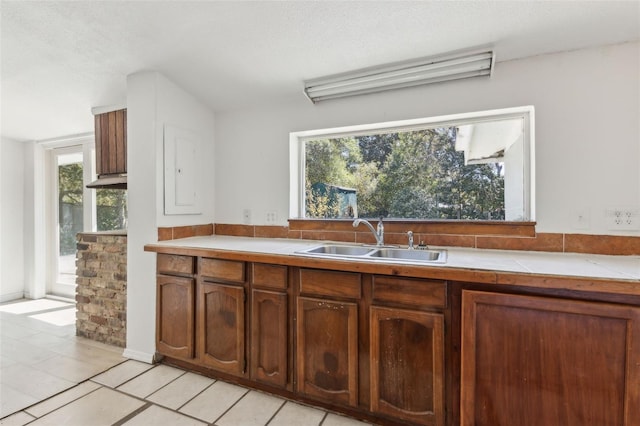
<point x="111" y="150"/>
<point x="181" y="171"/>
<point x="111" y="142"/>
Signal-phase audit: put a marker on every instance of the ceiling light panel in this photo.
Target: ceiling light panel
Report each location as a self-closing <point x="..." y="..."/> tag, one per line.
<point x="399" y="75"/>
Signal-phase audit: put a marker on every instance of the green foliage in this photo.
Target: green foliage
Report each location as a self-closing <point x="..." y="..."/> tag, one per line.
<point x="111" y="206"/>
<point x="416" y="174"/>
<point x="69" y="206"/>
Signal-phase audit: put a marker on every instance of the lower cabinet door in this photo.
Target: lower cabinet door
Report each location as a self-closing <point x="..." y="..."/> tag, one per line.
<point x="269" y="337"/>
<point x="221" y="327"/>
<point x="407" y="372"/>
<point x="175" y="316"/>
<point x="327" y="350"/>
<point x="534" y="361"/>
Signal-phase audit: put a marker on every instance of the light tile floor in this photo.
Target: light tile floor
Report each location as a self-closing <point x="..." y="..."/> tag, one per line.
<point x="51" y="377"/>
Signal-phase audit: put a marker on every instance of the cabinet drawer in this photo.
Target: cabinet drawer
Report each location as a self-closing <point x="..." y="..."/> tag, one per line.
<point x="330" y="283"/>
<point x="224" y="270"/>
<point x="270" y="276"/>
<point x="408" y="291"/>
<point x="172" y="264"/>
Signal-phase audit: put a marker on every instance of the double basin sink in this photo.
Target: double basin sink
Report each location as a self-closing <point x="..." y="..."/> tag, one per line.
<point x="377" y="253"/>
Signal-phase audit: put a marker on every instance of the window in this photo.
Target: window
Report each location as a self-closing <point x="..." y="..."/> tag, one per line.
<point x="78" y="209"/>
<point x="475" y="166"/>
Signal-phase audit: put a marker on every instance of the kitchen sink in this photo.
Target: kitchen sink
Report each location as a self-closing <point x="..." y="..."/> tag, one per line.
<point x="377" y="253"/>
<point x="340" y="250"/>
<point x="406" y="254"/>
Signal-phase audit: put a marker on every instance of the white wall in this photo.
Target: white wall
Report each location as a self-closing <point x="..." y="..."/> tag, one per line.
<point x="587" y="134"/>
<point x="12" y="160"/>
<point x="153" y="102"/>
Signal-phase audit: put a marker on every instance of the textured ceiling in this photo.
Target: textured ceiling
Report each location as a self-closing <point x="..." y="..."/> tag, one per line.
<point x="60" y="59"/>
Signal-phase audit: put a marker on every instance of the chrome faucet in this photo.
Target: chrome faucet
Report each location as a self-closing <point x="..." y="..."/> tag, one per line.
<point x="410" y="235"/>
<point x="379" y="234"/>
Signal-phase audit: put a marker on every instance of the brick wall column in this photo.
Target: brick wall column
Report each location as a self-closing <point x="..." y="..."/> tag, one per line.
<point x="101" y="293"/>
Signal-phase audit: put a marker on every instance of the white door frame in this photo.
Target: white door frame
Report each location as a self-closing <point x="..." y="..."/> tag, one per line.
<point x="82" y="144"/>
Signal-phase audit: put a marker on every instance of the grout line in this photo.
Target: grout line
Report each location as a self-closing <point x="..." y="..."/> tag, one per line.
<point x="232" y="405"/>
<point x="63" y="405"/>
<point x="166" y="384"/>
<point x="133" y="414"/>
<point x="326" y="414"/>
<point x="277" y="411"/>
<point x="196" y="395"/>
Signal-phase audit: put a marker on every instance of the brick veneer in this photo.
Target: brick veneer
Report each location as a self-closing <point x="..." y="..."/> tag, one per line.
<point x="101" y="293"/>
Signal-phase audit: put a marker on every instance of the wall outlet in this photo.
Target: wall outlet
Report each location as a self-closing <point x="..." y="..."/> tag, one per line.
<point x="623" y="218"/>
<point x="271" y="216"/>
<point x="246" y="216"/>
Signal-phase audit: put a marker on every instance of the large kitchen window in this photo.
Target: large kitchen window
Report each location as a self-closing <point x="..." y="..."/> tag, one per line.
<point x="475" y="166"/>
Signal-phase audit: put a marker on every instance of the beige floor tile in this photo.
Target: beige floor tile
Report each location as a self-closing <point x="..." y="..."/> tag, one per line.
<point x="293" y="414"/>
<point x="181" y="390"/>
<point x="12" y="400"/>
<point x="115" y="350"/>
<point x="121" y="373"/>
<point x="336" y="420"/>
<point x="18" y="419"/>
<point x="150" y="381"/>
<point x="6" y="362"/>
<point x="102" y="407"/>
<point x="32" y="382"/>
<point x="24" y="353"/>
<point x="254" y="409"/>
<point x="45" y="340"/>
<point x="62" y="399"/>
<point x="214" y="401"/>
<point x="88" y="353"/>
<point x="155" y="415"/>
<point x="15" y="330"/>
<point x="69" y="368"/>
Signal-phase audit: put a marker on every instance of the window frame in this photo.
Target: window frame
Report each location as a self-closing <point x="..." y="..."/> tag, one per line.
<point x="298" y="139"/>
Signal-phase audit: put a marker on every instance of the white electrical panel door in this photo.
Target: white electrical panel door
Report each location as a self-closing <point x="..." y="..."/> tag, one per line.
<point x="181" y="172"/>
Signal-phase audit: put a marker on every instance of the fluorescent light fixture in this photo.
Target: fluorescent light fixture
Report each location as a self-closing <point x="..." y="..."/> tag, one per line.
<point x="454" y="66"/>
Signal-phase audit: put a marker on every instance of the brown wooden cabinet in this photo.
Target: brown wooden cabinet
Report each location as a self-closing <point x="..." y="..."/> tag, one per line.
<point x="175" y="316"/>
<point x="541" y="361"/>
<point x="397" y="349"/>
<point x="111" y="142"/>
<point x="327" y="336"/>
<point x="175" y="306"/>
<point x="406" y="327"/>
<point x="269" y="325"/>
<point x="407" y="364"/>
<point x="221" y="315"/>
<point x="221" y="337"/>
<point x="327" y="350"/>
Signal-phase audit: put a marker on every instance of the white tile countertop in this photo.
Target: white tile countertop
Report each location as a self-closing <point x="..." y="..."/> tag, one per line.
<point x="527" y="262"/>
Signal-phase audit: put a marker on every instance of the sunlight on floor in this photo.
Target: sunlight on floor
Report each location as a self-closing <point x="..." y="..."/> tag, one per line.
<point x="60" y="318"/>
<point x="38" y="305"/>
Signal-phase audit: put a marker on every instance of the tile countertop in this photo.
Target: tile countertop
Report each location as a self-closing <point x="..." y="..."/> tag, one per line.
<point x="562" y="264"/>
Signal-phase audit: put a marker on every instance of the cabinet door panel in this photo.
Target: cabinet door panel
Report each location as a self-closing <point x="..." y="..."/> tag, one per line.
<point x="537" y="361"/>
<point x="327" y="350"/>
<point x="269" y="337"/>
<point x="407" y="358"/>
<point x="221" y="327"/>
<point x="175" y="316"/>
